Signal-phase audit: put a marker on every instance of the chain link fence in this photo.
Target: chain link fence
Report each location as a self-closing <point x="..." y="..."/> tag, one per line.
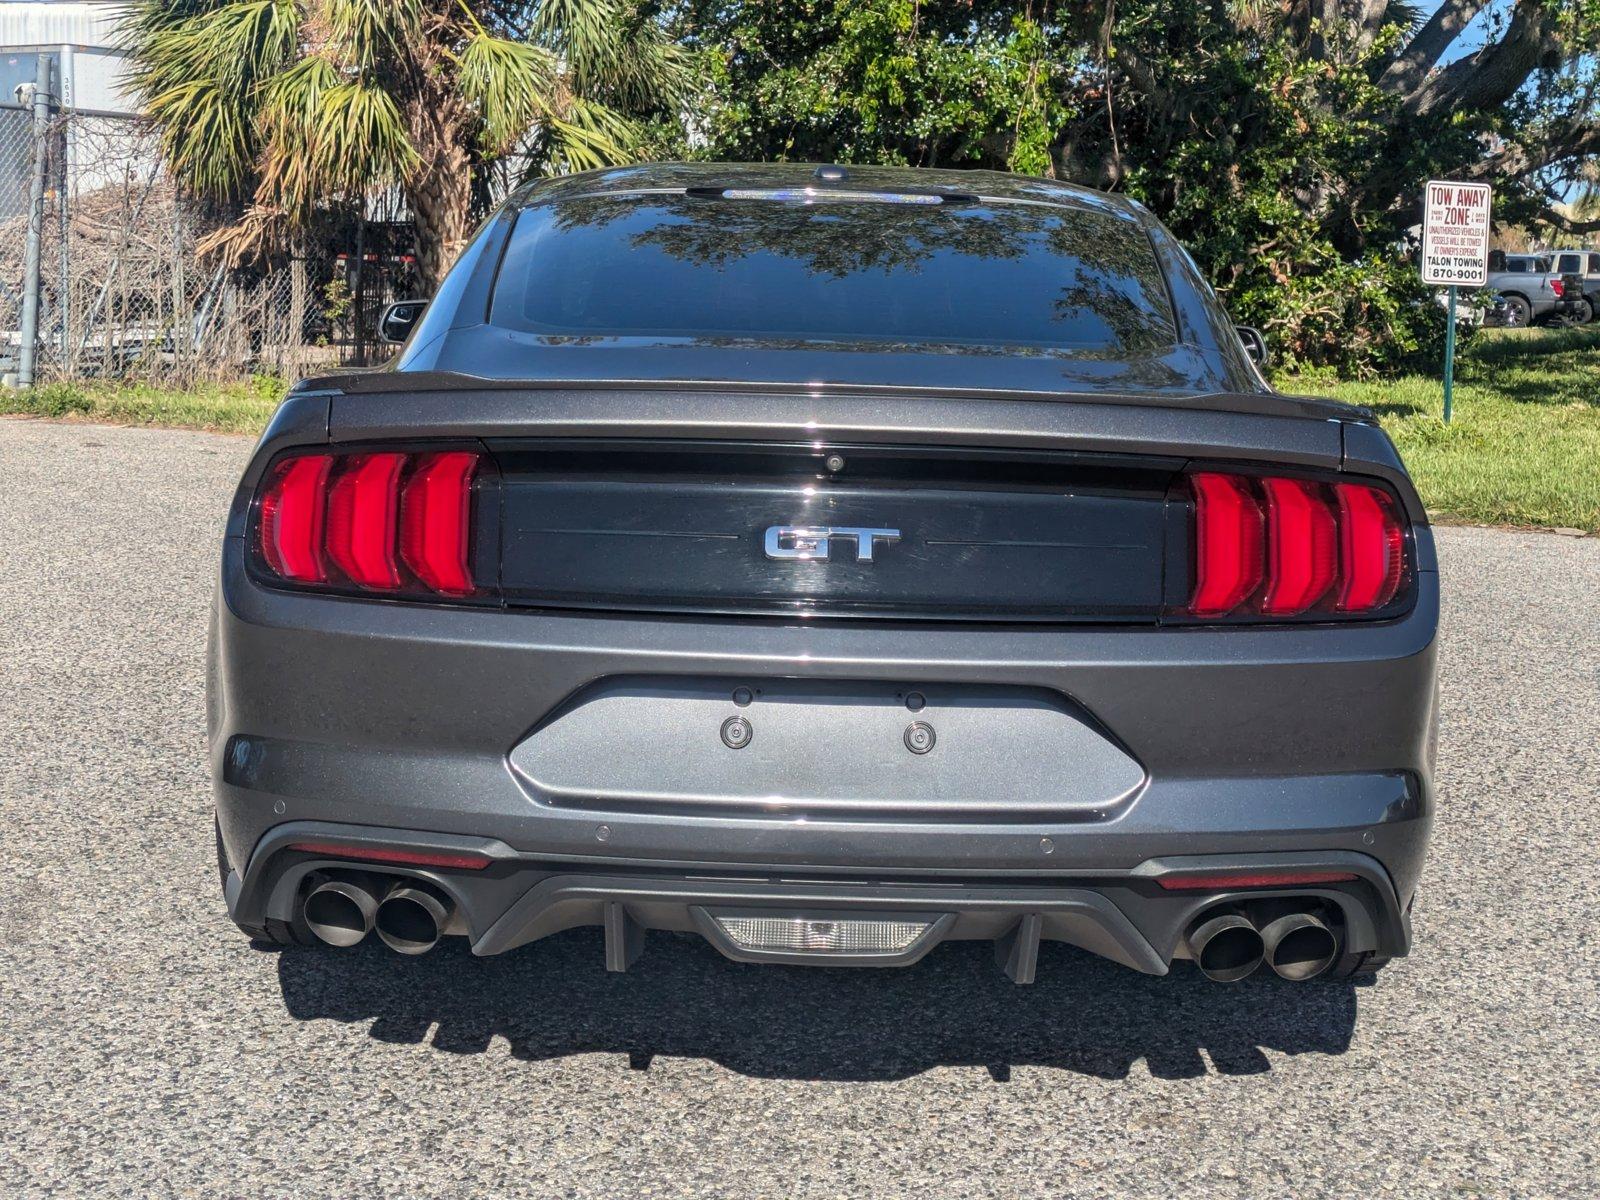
<point x="123" y="292"/>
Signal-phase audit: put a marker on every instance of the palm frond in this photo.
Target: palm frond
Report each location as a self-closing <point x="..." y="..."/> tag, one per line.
<point x="1407" y="14"/>
<point x="591" y="135"/>
<point x="206" y="137"/>
<point x="576" y="28"/>
<point x="263" y="232"/>
<point x="365" y="31"/>
<point x="514" y="85"/>
<point x="613" y="53"/>
<point x="359" y="138"/>
<point x="197" y="68"/>
<point x="1256" y="15"/>
<point x="644" y="70"/>
<point x="247" y="41"/>
<point x="290" y="107"/>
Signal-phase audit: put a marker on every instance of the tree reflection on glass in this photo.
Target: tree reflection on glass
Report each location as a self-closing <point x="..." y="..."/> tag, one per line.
<point x="872" y="273"/>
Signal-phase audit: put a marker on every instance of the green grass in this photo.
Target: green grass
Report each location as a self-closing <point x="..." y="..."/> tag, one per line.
<point x="239" y="407"/>
<point x="1523" y="449"/>
<point x="1523" y="445"/>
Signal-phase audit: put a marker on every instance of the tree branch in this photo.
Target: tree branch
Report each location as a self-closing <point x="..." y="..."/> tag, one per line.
<point x="1566" y="224"/>
<point x="1493" y="75"/>
<point x="1368" y="16"/>
<point x="1407" y="72"/>
<point x="1515" y="159"/>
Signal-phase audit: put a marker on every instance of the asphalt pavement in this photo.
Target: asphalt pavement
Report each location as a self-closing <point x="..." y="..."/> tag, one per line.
<point x="147" y="1048"/>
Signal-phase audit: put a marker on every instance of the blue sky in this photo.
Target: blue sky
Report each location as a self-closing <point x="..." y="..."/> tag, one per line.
<point x="1472" y="40"/>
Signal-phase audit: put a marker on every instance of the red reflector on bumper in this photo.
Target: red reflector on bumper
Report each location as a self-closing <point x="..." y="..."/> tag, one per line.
<point x="1227" y="881"/>
<point x="400" y="858"/>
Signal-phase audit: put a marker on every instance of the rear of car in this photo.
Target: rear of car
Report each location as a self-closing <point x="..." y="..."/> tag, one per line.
<point x="830" y="566"/>
<point x="1529" y="287"/>
<point x="1579" y="271"/>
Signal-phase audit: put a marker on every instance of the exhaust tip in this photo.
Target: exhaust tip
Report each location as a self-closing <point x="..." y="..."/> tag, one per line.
<point x="1299" y="946"/>
<point x="410" y="919"/>
<point x="1225" y="948"/>
<point x="340" y="912"/>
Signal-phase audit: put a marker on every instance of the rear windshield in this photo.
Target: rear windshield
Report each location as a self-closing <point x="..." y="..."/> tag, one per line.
<point x="846" y="270"/>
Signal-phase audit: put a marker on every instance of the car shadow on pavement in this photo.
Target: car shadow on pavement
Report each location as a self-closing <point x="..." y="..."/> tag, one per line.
<point x="683" y="999"/>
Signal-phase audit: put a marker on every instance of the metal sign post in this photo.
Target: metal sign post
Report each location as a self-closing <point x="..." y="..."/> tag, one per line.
<point x="1455" y="253"/>
<point x="28" y="346"/>
<point x="1450" y="356"/>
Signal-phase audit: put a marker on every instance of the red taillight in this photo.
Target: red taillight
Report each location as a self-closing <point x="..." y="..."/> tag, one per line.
<point x="363" y="507"/>
<point x="435" y="521"/>
<point x="292" y="510"/>
<point x="1301" y="555"/>
<point x="376" y="521"/>
<point x="1559" y="288"/>
<point x="1227" y="544"/>
<point x="400" y="858"/>
<point x="1370" y="548"/>
<point x="1279" y="547"/>
<point x="1227" y="881"/>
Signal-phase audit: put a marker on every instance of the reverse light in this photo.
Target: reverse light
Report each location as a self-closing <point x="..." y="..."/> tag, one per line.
<point x="372" y="521"/>
<point x="1280" y="547"/>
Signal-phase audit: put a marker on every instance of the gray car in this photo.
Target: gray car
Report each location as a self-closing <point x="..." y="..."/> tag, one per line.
<point x="1528" y="285"/>
<point x="830" y="563"/>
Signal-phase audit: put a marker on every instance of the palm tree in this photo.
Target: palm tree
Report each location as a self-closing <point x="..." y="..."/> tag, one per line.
<point x="286" y="106"/>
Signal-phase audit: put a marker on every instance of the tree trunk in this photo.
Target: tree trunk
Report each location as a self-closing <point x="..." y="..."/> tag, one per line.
<point x="439" y="188"/>
<point x="440" y="198"/>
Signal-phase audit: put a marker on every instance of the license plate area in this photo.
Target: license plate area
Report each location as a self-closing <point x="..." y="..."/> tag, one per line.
<point x="834" y="748"/>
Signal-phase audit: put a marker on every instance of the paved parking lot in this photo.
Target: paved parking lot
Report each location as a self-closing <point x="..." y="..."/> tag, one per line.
<point x="150" y="1049"/>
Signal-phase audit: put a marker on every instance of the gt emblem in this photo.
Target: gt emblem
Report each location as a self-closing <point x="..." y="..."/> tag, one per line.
<point x="807" y="542"/>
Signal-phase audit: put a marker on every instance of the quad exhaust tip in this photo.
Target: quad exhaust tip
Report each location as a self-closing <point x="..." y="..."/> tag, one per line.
<point x="1229" y="946"/>
<point x="1298" y="946"/>
<point x="341" y="911"/>
<point x="411" y="918"/>
<point x="1226" y="948"/>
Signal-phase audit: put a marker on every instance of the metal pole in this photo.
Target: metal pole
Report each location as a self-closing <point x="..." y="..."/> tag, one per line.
<point x="64" y="83"/>
<point x="28" y="350"/>
<point x="1450" y="355"/>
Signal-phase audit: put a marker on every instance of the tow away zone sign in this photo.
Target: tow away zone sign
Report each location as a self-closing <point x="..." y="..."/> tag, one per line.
<point x="1455" y="234"/>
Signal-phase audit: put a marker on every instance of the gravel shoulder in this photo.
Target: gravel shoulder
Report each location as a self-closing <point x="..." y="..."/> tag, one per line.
<point x="150" y="1050"/>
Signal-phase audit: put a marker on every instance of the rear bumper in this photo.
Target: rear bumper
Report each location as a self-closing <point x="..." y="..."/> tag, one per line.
<point x="1308" y="745"/>
<point x="1124" y="916"/>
